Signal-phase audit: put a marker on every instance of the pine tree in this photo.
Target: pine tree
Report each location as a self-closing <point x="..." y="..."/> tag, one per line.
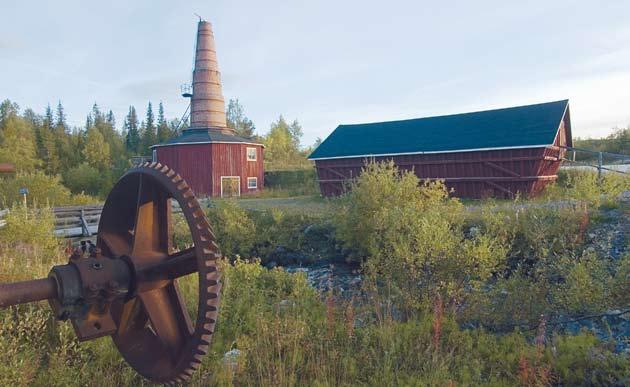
<point x="111" y="120"/>
<point x="48" y="118"/>
<point x="61" y="118"/>
<point x="132" y="141"/>
<point x="163" y="131"/>
<point x="148" y="132"/>
<point x="97" y="117"/>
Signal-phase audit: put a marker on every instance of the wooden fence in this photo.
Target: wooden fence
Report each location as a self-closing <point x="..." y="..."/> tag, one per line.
<point x="76" y="221"/>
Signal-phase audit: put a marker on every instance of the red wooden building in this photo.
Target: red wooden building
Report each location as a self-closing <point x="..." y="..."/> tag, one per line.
<point x="494" y="153"/>
<point x="209" y="155"/>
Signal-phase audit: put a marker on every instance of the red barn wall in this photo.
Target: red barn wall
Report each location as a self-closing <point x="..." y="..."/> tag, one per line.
<point x="231" y="160"/>
<point x="202" y="165"/>
<point x="193" y="162"/>
<point x="478" y="174"/>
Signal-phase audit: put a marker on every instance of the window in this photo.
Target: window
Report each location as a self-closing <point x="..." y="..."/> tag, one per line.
<point x="252" y="183"/>
<point x="154" y="155"/>
<point x="251" y="154"/>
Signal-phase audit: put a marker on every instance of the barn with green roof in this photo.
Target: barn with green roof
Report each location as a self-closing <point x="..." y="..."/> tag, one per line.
<point x="492" y="153"/>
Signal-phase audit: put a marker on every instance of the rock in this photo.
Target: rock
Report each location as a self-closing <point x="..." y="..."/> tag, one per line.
<point x="271" y="264"/>
<point x="230" y="358"/>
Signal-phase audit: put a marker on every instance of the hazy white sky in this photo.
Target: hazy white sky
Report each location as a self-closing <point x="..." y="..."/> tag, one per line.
<point x="324" y="62"/>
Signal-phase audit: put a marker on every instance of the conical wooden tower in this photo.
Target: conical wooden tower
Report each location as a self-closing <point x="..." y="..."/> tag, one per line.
<point x="207" y="106"/>
<point x="213" y="159"/>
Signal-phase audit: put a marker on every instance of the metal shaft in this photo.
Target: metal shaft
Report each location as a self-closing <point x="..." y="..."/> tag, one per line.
<point x="27" y="291"/>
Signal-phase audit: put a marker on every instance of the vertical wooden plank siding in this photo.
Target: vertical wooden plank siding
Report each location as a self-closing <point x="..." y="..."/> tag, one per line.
<point x="231" y="160"/>
<point x="202" y="165"/>
<point x="193" y="162"/>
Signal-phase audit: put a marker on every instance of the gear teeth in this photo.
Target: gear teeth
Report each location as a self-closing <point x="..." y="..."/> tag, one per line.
<point x="207" y="252"/>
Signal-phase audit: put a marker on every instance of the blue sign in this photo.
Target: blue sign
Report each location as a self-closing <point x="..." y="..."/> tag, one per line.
<point x="23" y="191"/>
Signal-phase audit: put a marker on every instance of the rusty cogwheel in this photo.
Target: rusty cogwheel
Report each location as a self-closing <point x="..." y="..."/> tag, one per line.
<point x="155" y="333"/>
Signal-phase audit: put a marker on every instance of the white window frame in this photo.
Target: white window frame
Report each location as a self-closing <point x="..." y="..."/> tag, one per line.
<point x="255" y="180"/>
<point x="255" y="154"/>
<point x="231" y="177"/>
<point x="154" y="155"/>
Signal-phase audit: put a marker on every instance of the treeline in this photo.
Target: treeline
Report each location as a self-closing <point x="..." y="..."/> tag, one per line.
<point x="90" y="158"/>
<point x="617" y="142"/>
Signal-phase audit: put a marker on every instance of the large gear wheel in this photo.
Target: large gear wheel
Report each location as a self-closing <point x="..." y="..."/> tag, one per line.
<point x="155" y="332"/>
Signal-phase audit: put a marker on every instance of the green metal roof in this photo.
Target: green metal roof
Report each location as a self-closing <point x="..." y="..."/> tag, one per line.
<point x="515" y="127"/>
<point x="204" y="136"/>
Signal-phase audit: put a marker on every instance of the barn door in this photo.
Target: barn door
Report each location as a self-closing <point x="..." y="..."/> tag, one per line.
<point x="230" y="186"/>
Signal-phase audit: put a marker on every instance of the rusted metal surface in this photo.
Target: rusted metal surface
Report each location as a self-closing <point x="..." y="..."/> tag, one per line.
<point x="202" y="165"/>
<point x="479" y="174"/>
<point x="127" y="287"/>
<point x="7" y="168"/>
<point x="27" y="291"/>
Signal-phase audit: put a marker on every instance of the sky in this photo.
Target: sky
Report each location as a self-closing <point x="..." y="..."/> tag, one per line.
<point x="324" y="62"/>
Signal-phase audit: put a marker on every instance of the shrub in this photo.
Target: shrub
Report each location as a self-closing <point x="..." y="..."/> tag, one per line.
<point x="233" y="228"/>
<point x="86" y="179"/>
<point x="43" y="190"/>
<point x="28" y="233"/>
<point x="412" y="235"/>
<point x="585" y="186"/>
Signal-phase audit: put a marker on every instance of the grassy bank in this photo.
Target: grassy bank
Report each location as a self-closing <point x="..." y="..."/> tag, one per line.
<point x="450" y="296"/>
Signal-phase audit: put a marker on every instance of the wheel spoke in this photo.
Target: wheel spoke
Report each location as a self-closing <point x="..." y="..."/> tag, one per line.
<point x="152" y="229"/>
<point x="168" y="316"/>
<point x="170" y="267"/>
<point x="115" y="244"/>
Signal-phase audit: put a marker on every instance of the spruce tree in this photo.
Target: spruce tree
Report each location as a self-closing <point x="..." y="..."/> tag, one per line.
<point x="148" y="132"/>
<point x="163" y="131"/>
<point x="61" y="118"/>
<point x="132" y="141"/>
<point x="111" y="120"/>
<point x="48" y="118"/>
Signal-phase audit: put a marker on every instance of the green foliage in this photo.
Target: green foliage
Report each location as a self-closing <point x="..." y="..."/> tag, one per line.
<point x="585" y="285"/>
<point x="87" y="179"/>
<point x="616" y="142"/>
<point x="17" y="143"/>
<point x="282" y="146"/>
<point x="411" y="233"/>
<point x="236" y="119"/>
<point x="96" y="151"/>
<point x="233" y="228"/>
<point x="30" y="231"/>
<point x="581" y="361"/>
<point x="131" y="128"/>
<point x="585" y="186"/>
<point x="148" y="135"/>
<point x="296" y="182"/>
<point x="42" y="189"/>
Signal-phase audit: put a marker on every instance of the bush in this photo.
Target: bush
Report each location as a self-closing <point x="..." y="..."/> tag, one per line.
<point x="28" y="233"/>
<point x="411" y="233"/>
<point x="585" y="186"/>
<point x="234" y="230"/>
<point x="86" y="179"/>
<point x="43" y="190"/>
